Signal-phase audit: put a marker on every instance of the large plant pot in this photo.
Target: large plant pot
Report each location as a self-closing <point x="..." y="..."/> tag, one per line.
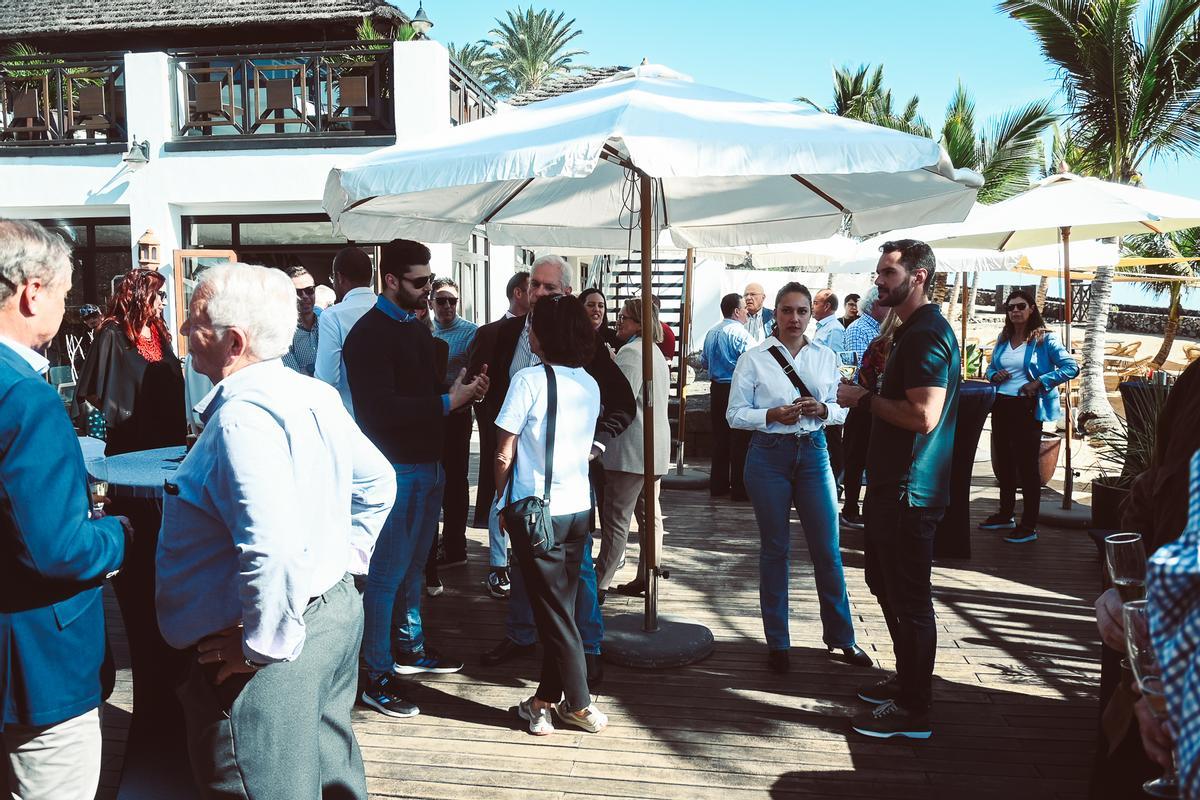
<point x="1107" y="500"/>
<point x="1048" y="456"/>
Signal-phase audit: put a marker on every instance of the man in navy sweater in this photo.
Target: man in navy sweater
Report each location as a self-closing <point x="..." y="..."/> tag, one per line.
<point x="401" y="402"/>
<point x="55" y="668"/>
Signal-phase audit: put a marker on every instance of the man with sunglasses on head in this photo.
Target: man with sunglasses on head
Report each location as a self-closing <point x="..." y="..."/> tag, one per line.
<point x="302" y="355"/>
<point x="458" y="334"/>
<point x="401" y="402"/>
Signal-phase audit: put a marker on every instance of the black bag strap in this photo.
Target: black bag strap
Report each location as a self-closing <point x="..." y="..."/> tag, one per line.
<point x="552" y="404"/>
<point x="789" y="370"/>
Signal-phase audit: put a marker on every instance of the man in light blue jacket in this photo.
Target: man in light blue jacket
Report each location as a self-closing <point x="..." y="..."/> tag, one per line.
<point x="1028" y="365"/>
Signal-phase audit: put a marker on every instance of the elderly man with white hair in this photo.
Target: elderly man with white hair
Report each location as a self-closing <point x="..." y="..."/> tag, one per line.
<point x="265" y="524"/>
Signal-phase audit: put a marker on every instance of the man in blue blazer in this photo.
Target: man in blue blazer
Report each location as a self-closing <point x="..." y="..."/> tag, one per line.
<point x="53" y="651"/>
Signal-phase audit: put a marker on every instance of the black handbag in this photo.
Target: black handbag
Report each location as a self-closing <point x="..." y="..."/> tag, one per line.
<point x="529" y="517"/>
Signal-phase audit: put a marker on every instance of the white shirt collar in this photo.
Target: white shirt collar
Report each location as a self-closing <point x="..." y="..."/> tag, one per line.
<point x="36" y="361"/>
<point x="227" y="387"/>
<point x="830" y="320"/>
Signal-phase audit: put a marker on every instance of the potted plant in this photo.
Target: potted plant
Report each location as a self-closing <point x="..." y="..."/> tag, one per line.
<point x="1126" y="451"/>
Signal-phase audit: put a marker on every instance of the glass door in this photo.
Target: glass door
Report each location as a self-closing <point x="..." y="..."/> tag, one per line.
<point x="189" y="265"/>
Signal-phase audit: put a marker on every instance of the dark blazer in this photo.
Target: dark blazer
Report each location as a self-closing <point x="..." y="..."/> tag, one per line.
<point x="494" y="345"/>
<point x="53" y="559"/>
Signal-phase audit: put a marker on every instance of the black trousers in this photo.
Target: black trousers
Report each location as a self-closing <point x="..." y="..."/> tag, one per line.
<point x="856" y="436"/>
<point x="456" y="459"/>
<point x="729" y="446"/>
<point x="1016" y="445"/>
<point x="552" y="581"/>
<point x="899" y="560"/>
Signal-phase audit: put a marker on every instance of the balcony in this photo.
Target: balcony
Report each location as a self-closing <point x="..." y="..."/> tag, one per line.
<point x="469" y="100"/>
<point x="291" y="93"/>
<point x="62" y="101"/>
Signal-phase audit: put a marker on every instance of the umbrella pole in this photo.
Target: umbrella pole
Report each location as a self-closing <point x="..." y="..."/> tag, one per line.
<point x="1068" y="313"/>
<point x="648" y="540"/>
<point x="685" y="330"/>
<point x="962" y="279"/>
<point x="646" y="642"/>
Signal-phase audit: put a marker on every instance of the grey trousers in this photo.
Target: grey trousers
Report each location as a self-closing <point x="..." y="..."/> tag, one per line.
<point x="284" y="733"/>
<point x="623" y="499"/>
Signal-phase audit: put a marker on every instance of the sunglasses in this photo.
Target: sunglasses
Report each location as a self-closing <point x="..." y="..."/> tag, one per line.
<point x="1018" y="307"/>
<point x="307" y="290"/>
<point x="446" y="301"/>
<point x="421" y="282"/>
<point x="162" y="295"/>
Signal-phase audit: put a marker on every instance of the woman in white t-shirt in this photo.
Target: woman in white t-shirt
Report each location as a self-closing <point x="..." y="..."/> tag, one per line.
<point x="562" y="337"/>
<point x="1028" y="364"/>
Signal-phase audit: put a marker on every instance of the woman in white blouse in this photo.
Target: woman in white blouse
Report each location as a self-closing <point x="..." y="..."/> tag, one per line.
<point x="562" y="337"/>
<point x="624" y="459"/>
<point x="788" y="464"/>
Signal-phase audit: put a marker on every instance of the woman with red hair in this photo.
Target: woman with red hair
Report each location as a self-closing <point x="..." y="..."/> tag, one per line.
<point x="131" y="374"/>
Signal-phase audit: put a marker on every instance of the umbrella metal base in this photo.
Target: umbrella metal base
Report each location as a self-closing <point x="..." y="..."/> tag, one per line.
<point x="676" y="643"/>
<point x="1077" y="516"/>
<point x="688" y="479"/>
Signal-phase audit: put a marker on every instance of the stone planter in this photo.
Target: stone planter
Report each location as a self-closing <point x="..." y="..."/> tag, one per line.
<point x="1048" y="456"/>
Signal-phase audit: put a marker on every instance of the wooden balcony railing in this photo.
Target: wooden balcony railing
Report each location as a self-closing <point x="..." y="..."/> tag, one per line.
<point x="286" y="91"/>
<point x="49" y="100"/>
<point x="469" y="99"/>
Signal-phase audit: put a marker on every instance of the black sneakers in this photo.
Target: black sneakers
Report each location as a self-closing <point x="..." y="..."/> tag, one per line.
<point x="387" y="696"/>
<point x="888" y="719"/>
<point x="885" y="691"/>
<point x="427" y="660"/>
<point x="851" y="519"/>
<point x="998" y="522"/>
<point x="1021" y="535"/>
<point x="498" y="583"/>
<point x="851" y="655"/>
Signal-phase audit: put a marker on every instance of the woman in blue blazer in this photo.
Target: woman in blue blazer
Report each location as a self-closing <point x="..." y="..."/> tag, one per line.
<point x="1028" y="364"/>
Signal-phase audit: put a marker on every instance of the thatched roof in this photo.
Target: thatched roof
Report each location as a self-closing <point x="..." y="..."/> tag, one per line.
<point x="561" y="85"/>
<point x="24" y="19"/>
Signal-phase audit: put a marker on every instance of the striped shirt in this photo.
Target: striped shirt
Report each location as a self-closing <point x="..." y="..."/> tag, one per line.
<point x="1174" y="607"/>
<point x="458" y="336"/>
<point x="523" y="355"/>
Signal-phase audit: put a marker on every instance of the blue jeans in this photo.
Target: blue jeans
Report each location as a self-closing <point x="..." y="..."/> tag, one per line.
<point x="396" y="576"/>
<point x="497" y="539"/>
<point x="782" y="471"/>
<point x="521" y="628"/>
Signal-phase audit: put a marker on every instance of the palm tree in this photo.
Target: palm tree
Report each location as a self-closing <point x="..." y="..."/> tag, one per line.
<point x="1132" y="88"/>
<point x="1178" y="244"/>
<point x="859" y="94"/>
<point x="1008" y="156"/>
<point x="473" y="57"/>
<point x="529" y="48"/>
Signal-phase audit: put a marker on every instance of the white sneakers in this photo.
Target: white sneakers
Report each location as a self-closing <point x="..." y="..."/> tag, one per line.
<point x="591" y="719"/>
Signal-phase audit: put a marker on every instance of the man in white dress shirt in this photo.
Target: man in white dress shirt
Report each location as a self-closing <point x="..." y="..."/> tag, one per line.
<point x="352" y="272"/>
<point x="265" y="524"/>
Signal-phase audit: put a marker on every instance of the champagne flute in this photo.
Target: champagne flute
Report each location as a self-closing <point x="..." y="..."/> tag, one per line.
<point x="97" y="479"/>
<point x="1126" y="559"/>
<point x="1148" y="672"/>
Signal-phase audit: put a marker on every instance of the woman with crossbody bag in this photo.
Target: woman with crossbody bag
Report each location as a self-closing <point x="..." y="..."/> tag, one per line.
<point x="544" y="436"/>
<point x="785" y="391"/>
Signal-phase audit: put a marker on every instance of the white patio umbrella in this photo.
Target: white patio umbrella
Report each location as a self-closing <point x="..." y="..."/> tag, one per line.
<point x="810" y="256"/>
<point x="1057" y="210"/>
<point x="649" y="149"/>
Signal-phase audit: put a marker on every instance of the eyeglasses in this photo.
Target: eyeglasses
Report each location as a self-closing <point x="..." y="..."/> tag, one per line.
<point x="446" y="301"/>
<point x="307" y="290"/>
<point x="421" y="282"/>
<point x="162" y="296"/>
<point x="1017" y="306"/>
<point x="626" y="318"/>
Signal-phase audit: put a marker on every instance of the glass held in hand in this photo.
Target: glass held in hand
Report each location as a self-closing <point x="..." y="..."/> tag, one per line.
<point x="1147" y="671"/>
<point x="1125" y="556"/>
<point x="97" y="480"/>
<point x="848" y="365"/>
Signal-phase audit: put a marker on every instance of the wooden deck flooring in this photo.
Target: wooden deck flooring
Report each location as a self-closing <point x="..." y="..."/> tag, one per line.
<point x="1015" y="690"/>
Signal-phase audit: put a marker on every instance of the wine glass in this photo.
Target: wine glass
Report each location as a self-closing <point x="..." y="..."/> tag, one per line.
<point x="1148" y="672"/>
<point x="97" y="479"/>
<point x="848" y="364"/>
<point x="1126" y="559"/>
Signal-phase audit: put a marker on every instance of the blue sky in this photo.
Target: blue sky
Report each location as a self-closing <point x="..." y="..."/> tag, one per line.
<point x="780" y="50"/>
